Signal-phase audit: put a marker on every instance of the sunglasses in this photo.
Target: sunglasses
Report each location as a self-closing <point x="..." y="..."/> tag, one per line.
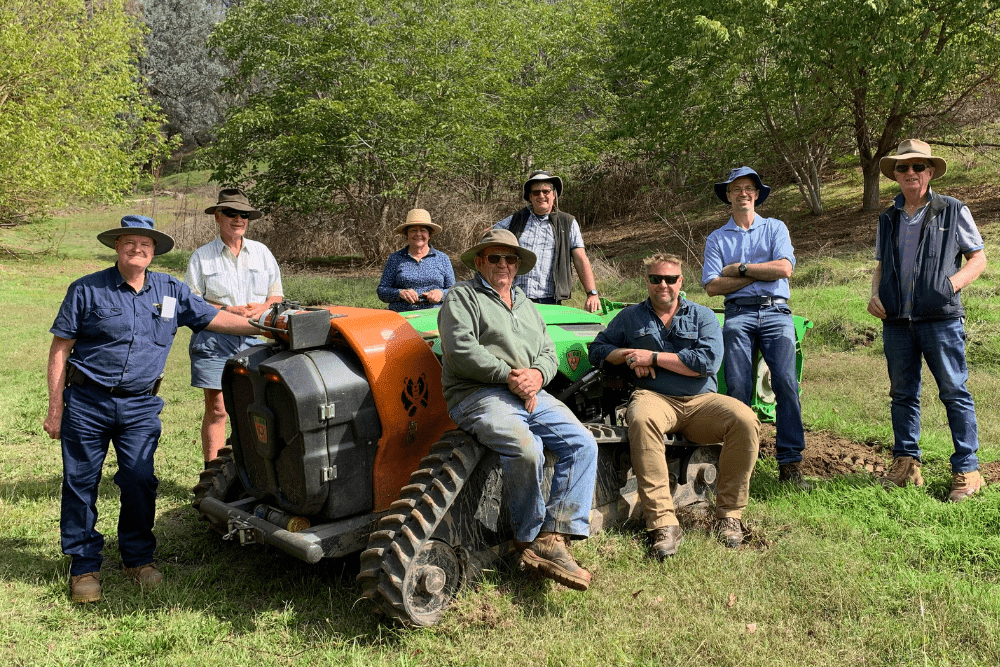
<point x="535" y="193"/>
<point x="230" y="213"/>
<point x="655" y="279"/>
<point x="917" y="168"/>
<point x="495" y="259"/>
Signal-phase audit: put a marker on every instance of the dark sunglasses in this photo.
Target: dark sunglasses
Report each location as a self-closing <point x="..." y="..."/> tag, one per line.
<point x="230" y="213"/>
<point x="495" y="259"/>
<point x="655" y="279"/>
<point x="917" y="168"/>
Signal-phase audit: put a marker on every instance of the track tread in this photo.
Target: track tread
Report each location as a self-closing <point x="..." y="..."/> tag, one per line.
<point x="422" y="505"/>
<point x="217" y="481"/>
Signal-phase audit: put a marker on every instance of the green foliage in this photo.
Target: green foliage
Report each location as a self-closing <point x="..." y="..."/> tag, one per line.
<point x="357" y="107"/>
<point x="74" y="121"/>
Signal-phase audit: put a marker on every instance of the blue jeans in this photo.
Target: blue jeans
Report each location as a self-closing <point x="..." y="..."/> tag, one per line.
<point x="770" y="330"/>
<point x="942" y="344"/>
<point x="91" y="419"/>
<point x="498" y="420"/>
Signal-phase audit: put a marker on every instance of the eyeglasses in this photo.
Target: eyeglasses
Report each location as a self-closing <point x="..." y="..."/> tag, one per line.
<point x="917" y="168"/>
<point x="749" y="190"/>
<point x="495" y="259"/>
<point x="535" y="193"/>
<point x="230" y="213"/>
<point x="655" y="279"/>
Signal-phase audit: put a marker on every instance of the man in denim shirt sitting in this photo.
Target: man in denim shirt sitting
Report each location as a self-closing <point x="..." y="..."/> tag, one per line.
<point x="674" y="348"/>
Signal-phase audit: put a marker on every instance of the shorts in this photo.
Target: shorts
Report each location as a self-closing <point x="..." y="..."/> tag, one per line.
<point x="209" y="353"/>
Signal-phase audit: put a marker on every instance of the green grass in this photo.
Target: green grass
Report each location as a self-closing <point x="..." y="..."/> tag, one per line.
<point x="847" y="574"/>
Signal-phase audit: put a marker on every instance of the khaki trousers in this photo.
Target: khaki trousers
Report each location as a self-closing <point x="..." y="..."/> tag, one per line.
<point x="703" y="419"/>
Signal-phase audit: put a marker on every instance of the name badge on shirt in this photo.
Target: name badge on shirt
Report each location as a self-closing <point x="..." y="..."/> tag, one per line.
<point x="169" y="306"/>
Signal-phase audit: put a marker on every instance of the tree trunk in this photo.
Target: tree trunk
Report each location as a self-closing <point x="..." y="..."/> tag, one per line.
<point x="870" y="201"/>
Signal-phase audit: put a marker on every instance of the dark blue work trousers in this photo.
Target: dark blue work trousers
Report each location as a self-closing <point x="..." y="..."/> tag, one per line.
<point x="93" y="418"/>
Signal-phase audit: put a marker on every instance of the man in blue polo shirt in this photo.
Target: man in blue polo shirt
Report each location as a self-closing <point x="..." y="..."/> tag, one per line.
<point x="109" y="348"/>
<point x="674" y="348"/>
<point x="749" y="260"/>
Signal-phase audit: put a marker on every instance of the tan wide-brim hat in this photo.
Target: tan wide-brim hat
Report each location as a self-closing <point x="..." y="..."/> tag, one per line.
<point x="235" y="199"/>
<point x="417" y="217"/>
<point x="908" y="150"/>
<point x="138" y="225"/>
<point x="505" y="238"/>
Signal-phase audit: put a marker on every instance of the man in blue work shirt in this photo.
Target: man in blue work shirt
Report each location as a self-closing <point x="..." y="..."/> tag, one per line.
<point x="749" y="260"/>
<point x="674" y="348"/>
<point x="109" y="347"/>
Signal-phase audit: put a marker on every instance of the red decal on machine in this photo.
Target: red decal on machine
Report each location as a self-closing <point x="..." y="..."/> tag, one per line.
<point x="573" y="359"/>
<point x="261" y="427"/>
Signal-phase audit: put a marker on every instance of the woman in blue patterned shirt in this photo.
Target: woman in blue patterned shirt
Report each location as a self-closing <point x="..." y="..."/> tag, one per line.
<point x="417" y="276"/>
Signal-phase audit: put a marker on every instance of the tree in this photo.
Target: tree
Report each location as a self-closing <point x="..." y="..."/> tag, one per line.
<point x="182" y="76"/>
<point x="73" y="118"/>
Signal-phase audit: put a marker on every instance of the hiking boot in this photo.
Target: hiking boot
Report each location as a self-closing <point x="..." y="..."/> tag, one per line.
<point x="665" y="540"/>
<point x="791" y="473"/>
<point x="147" y="576"/>
<point x="904" y="470"/>
<point x="548" y="555"/>
<point x="85" y="588"/>
<point x="730" y="532"/>
<point x="964" y="484"/>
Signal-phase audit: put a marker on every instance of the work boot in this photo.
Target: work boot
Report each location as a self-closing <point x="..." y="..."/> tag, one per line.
<point x="665" y="540"/>
<point x="964" y="484"/>
<point x="730" y="532"/>
<point x="549" y="556"/>
<point x="85" y="587"/>
<point x="904" y="470"/>
<point x="791" y="473"/>
<point x="147" y="576"/>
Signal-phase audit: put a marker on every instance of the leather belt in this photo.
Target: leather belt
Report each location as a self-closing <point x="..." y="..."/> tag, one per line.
<point x="756" y="301"/>
<point x="79" y="378"/>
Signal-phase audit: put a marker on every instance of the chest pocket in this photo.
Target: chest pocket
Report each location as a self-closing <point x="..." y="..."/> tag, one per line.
<point x="163" y="330"/>
<point x="107" y="323"/>
<point x="683" y="335"/>
<point x="223" y="285"/>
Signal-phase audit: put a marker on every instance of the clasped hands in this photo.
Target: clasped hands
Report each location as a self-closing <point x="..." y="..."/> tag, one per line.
<point x="640" y="361"/>
<point x="525" y="383"/>
<point x="411" y="296"/>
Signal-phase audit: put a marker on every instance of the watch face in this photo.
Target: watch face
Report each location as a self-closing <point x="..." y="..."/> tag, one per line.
<point x="592" y="292"/>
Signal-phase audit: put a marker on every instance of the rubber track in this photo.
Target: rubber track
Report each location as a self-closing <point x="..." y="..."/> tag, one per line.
<point x="216" y="481"/>
<point x="412" y="520"/>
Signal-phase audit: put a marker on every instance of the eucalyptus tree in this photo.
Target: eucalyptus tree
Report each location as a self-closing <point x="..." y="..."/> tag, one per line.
<point x="74" y="119"/>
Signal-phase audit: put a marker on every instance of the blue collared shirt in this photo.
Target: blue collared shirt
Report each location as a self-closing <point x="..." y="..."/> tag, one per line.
<point x="403" y="271"/>
<point x="122" y="337"/>
<point x="765" y="241"/>
<point x="694" y="335"/>
<point x="539" y="237"/>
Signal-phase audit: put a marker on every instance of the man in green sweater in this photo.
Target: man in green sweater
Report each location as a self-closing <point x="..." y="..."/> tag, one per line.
<point x="497" y="356"/>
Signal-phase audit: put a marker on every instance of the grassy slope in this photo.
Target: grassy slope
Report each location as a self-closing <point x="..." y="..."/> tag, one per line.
<point x="843" y="575"/>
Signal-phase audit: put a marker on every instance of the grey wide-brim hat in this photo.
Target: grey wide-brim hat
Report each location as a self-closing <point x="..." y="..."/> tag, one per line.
<point x="541" y="176"/>
<point x="138" y="225"/>
<point x="502" y="237"/>
<point x="907" y="150"/>
<point x="235" y="199"/>
<point x="722" y="189"/>
<point x="417" y="217"/>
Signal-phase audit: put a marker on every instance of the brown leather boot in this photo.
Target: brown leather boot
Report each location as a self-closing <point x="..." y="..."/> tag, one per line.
<point x="147" y="576"/>
<point x="904" y="470"/>
<point x="85" y="587"/>
<point x="548" y="555"/>
<point x="964" y="484"/>
<point x="665" y="540"/>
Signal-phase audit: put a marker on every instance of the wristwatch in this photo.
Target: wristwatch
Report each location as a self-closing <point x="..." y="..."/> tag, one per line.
<point x="592" y="292"/>
<point x="743" y="270"/>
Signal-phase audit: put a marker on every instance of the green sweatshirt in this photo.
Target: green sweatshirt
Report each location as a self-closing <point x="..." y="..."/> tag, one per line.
<point x="482" y="340"/>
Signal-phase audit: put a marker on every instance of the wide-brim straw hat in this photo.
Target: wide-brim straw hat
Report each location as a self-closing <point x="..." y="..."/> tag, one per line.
<point x="417" y="217"/>
<point x="722" y="189"/>
<point x="541" y="176"/>
<point x="138" y="225"/>
<point x="909" y="149"/>
<point x="504" y="237"/>
<point x="235" y="199"/>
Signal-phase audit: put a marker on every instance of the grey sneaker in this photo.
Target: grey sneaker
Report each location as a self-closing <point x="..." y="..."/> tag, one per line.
<point x="665" y="540"/>
<point x="731" y="532"/>
<point x="791" y="473"/>
<point x="904" y="470"/>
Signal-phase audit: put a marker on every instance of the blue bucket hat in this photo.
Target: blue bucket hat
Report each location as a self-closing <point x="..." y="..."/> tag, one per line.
<point x="721" y="189"/>
<point x="139" y="225"/>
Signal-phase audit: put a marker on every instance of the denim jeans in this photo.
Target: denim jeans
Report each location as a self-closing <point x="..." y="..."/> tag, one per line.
<point x="498" y="420"/>
<point x="93" y="418"/>
<point x="770" y="330"/>
<point x="942" y="344"/>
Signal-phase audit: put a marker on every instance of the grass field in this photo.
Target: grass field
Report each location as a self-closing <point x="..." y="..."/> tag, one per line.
<point x="847" y="574"/>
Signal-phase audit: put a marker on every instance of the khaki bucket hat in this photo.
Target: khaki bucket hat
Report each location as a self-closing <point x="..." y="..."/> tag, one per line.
<point x="502" y="237"/>
<point x="907" y="150"/>
<point x="417" y="217"/>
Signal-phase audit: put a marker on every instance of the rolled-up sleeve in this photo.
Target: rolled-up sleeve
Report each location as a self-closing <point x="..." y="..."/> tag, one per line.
<point x="705" y="357"/>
